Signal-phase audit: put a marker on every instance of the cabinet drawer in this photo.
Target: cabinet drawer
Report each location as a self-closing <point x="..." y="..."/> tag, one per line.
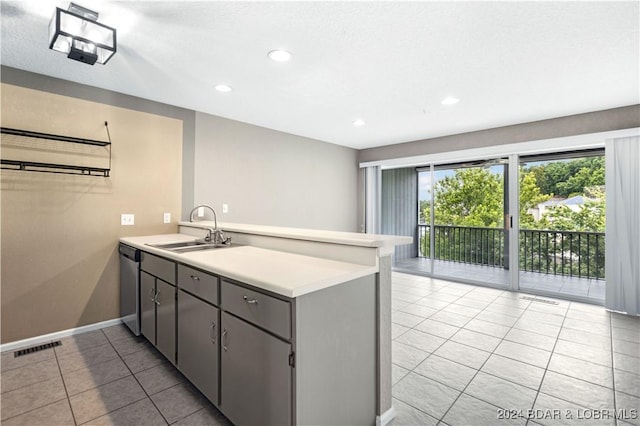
<point x="265" y="311"/>
<point x="158" y="267"/>
<point x="198" y="283"/>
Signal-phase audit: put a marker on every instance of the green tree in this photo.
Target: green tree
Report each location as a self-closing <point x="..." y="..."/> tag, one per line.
<point x="589" y="218"/>
<point x="530" y="197"/>
<point x="568" y="178"/>
<point x="471" y="197"/>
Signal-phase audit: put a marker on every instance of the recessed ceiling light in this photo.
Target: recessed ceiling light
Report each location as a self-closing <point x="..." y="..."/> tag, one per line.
<point x="223" y="88"/>
<point x="450" y="100"/>
<point x="280" y="55"/>
<point x="359" y="122"/>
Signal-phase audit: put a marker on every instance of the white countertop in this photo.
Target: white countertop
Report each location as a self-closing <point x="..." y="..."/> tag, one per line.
<point x="287" y="274"/>
<point x="335" y="237"/>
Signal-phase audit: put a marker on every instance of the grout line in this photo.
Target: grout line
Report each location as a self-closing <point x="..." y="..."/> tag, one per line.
<point x="138" y="381"/>
<point x="64" y="384"/>
<point x="483" y="364"/>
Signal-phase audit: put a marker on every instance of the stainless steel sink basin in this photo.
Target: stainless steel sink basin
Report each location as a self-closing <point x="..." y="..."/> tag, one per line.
<point x="187" y="246"/>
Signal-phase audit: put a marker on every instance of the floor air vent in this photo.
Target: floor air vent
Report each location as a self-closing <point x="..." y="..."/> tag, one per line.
<point x="36" y="348"/>
<point x="537" y="299"/>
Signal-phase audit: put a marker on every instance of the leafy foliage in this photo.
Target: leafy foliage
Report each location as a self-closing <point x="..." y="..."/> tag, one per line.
<point x="471" y="197"/>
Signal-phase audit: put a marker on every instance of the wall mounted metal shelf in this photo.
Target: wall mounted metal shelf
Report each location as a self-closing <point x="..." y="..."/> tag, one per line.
<point x="37" y="166"/>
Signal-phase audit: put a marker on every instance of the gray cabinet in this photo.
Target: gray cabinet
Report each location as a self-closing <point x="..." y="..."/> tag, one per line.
<point x="166" y="319"/>
<point x="198" y="339"/>
<point x="148" y="306"/>
<point x="256" y="375"/>
<point x="158" y="303"/>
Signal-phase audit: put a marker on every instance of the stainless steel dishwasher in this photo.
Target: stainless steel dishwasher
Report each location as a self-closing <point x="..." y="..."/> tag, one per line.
<point x="130" y="287"/>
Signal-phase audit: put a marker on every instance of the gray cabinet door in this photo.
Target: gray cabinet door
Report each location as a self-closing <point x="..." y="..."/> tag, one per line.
<point x="255" y="375"/>
<point x="198" y="331"/>
<point x="166" y="319"/>
<point x="148" y="306"/>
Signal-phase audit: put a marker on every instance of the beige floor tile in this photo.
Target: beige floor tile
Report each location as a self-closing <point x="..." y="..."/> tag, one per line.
<point x="553" y="411"/>
<point x="446" y="372"/>
<point x="104" y="399"/>
<point x="524" y="353"/>
<point x="423" y="341"/>
<point x="414" y="388"/>
<point x="500" y="392"/>
<point x="628" y="406"/>
<point x="29" y="374"/>
<point x="58" y="414"/>
<point x="463" y="354"/>
<point x="477" y="340"/>
<point x="514" y="371"/>
<point x="81" y="341"/>
<point x="626" y="382"/>
<point x="141" y="413"/>
<point x="407" y="356"/>
<point x="209" y="416"/>
<point x="142" y="360"/>
<point x="179" y="402"/>
<point x="406" y="415"/>
<point x="524" y="337"/>
<point x="30" y="397"/>
<point x="117" y="332"/>
<point x="9" y="361"/>
<point x="129" y="345"/>
<point x="578" y="391"/>
<point x="580" y="369"/>
<point x="159" y="378"/>
<point x="468" y="410"/>
<point x="86" y="378"/>
<point x="86" y="357"/>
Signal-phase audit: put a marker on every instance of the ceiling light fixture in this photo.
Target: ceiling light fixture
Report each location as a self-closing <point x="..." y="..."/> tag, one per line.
<point x="450" y="100"/>
<point x="359" y="122"/>
<point x="77" y="32"/>
<point x="223" y="88"/>
<point x="280" y="55"/>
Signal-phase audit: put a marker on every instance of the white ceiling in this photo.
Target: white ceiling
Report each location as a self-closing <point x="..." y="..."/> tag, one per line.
<point x="388" y="63"/>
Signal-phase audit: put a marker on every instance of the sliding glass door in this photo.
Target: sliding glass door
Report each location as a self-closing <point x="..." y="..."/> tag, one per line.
<point x="562" y="224"/>
<point x="461" y="228"/>
<point x="460" y="217"/>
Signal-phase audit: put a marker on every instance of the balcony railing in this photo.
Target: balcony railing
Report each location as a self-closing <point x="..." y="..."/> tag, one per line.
<point x="571" y="253"/>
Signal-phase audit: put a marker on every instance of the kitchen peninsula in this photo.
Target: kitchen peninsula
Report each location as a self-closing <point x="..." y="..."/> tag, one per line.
<point x="302" y="329"/>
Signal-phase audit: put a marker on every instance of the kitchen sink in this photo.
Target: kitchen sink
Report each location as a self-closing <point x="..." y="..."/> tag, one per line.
<point x="187" y="246"/>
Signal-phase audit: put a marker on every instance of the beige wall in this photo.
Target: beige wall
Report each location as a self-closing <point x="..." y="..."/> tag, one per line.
<point x="274" y="178"/>
<point x="59" y="232"/>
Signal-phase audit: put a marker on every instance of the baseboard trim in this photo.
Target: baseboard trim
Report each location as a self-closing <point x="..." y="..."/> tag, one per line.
<point x="46" y="338"/>
<point x="386" y="417"/>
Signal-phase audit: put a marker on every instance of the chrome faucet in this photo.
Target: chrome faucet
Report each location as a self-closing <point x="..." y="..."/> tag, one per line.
<point x="215" y="218"/>
<point x="214" y="233"/>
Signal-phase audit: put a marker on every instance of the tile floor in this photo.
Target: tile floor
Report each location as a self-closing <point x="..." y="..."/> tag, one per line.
<point x="470" y="355"/>
<point x="102" y="377"/>
<point x="462" y="355"/>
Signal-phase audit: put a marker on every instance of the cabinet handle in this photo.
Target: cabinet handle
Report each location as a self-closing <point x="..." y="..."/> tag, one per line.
<point x="195" y="277"/>
<point x="224" y="340"/>
<point x="152" y="295"/>
<point x="250" y="301"/>
<point x="156" y="298"/>
<point x="212" y="337"/>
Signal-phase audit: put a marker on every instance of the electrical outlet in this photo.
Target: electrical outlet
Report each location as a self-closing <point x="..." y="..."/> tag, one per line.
<point x="200" y="211"/>
<point x="225" y="208"/>
<point x="127" y="219"/>
<point x="167" y="218"/>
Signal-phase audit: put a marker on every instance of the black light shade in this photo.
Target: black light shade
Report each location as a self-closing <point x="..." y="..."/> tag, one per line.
<point x="77" y="33"/>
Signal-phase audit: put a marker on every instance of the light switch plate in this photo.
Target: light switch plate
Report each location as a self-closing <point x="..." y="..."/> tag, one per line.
<point x="127" y="219"/>
<point x="225" y="208"/>
<point x="167" y="218"/>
